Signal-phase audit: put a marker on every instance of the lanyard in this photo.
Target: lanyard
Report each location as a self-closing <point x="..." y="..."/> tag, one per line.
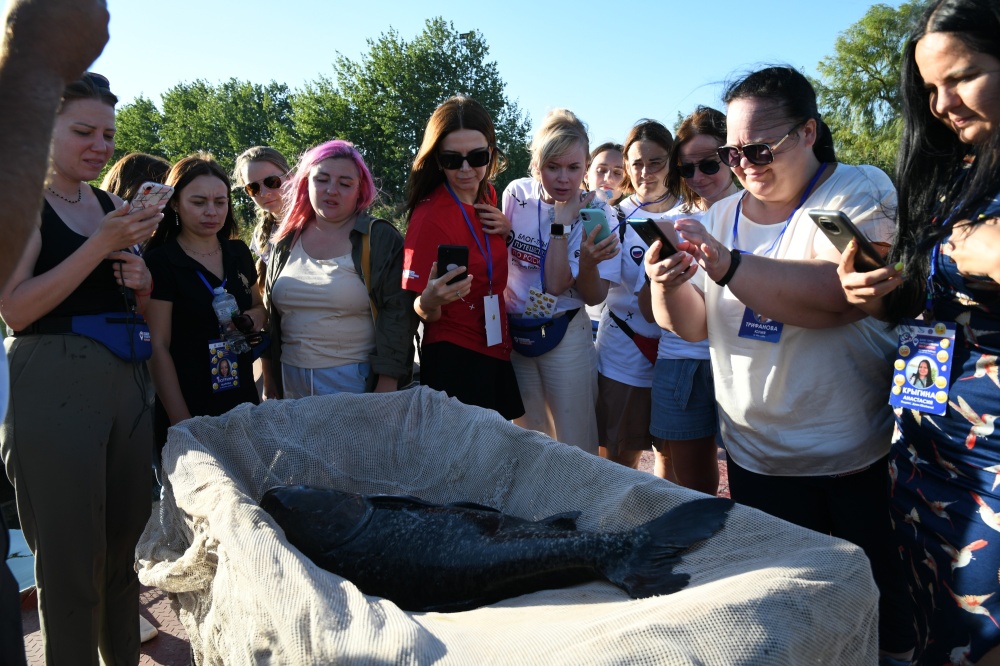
<point x="207" y="285"/>
<point x="488" y="254"/>
<point x="543" y="248"/>
<point x="774" y="244"/>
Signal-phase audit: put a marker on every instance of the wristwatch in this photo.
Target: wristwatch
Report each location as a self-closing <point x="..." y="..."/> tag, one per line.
<point x="558" y="231"/>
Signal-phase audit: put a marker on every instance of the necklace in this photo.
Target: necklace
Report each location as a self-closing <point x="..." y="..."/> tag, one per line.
<point x="200" y="254"/>
<point x="79" y="194"/>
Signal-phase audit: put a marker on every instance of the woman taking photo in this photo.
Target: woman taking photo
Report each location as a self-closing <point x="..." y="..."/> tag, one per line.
<point x="803" y="444"/>
<point x="193" y="252"/>
<point x="77" y="439"/>
<point x="450" y="201"/>
<point x="554" y="271"/>
<point x="337" y="323"/>
<point x="945" y="264"/>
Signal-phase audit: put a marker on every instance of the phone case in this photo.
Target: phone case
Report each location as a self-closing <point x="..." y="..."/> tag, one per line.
<point x="151" y="194"/>
<point x="839" y="229"/>
<point x="649" y="232"/>
<point x="591" y="217"/>
<point x="451" y="257"/>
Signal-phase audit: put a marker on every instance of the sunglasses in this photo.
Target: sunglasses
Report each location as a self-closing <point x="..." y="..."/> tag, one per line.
<point x="479" y="157"/>
<point x="756" y="153"/>
<point x="707" y="167"/>
<point x="271" y="183"/>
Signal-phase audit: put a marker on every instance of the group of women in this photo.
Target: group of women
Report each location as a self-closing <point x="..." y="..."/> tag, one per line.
<point x="753" y="329"/>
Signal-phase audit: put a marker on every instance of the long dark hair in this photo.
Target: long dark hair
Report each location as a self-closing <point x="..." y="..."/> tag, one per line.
<point x="180" y="176"/>
<point x="456" y="113"/>
<point x="792" y="95"/>
<point x="932" y="162"/>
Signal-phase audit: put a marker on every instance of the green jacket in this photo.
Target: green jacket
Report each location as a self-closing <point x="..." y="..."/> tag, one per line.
<point x="396" y="323"/>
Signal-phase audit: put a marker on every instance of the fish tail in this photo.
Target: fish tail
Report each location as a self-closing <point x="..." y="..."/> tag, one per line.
<point x="647" y="570"/>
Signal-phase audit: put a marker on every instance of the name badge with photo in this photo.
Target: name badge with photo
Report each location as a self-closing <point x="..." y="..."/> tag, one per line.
<point x="224" y="366"/>
<point x="759" y="327"/>
<point x="923" y="366"/>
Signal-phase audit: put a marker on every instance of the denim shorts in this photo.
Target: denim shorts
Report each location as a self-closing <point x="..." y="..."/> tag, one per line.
<point x="683" y="400"/>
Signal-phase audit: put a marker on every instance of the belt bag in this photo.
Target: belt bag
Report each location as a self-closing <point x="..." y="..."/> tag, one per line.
<point x="125" y="335"/>
<point x="533" y="336"/>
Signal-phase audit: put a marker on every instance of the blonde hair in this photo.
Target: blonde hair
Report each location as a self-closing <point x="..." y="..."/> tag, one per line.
<point x="558" y="133"/>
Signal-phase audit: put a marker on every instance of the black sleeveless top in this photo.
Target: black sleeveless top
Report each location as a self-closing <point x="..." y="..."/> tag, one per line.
<point x="99" y="292"/>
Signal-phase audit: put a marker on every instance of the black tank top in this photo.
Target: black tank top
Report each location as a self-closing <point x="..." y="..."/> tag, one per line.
<point x="99" y="292"/>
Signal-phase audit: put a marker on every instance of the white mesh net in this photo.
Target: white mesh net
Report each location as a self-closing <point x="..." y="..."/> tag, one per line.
<point x="761" y="590"/>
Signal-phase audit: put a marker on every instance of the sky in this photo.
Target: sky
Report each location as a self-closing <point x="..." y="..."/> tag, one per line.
<point x="611" y="63"/>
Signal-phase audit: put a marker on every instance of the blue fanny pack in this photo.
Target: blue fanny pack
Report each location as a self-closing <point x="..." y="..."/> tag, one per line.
<point x="533" y="336"/>
<point x="125" y="335"/>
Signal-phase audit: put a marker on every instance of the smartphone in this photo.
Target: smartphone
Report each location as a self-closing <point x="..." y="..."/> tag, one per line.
<point x="650" y="232"/>
<point x="591" y="217"/>
<point x="841" y="231"/>
<point x="451" y="257"/>
<point x="151" y="194"/>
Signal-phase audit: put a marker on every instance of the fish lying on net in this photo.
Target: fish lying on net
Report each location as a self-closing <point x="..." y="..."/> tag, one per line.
<point x="428" y="557"/>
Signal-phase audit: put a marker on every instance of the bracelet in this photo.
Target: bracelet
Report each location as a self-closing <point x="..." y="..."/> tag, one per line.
<point x="734" y="263"/>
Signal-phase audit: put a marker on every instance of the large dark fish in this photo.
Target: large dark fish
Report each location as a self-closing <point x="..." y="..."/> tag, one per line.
<point x="427" y="557"/>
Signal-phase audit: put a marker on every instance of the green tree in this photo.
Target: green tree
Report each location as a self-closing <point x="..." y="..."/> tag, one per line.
<point x="138" y="128"/>
<point x="382" y="102"/>
<point x="858" y="89"/>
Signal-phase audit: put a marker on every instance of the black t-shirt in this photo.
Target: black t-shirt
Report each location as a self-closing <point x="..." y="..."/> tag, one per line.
<point x="193" y="323"/>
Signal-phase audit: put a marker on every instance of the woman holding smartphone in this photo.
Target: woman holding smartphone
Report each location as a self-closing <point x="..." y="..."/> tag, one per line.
<point x="803" y="444"/>
<point x="77" y="439"/>
<point x="450" y="201"/>
<point x="554" y="271"/>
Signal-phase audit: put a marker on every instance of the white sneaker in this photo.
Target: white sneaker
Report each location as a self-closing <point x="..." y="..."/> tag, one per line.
<point x="147" y="631"/>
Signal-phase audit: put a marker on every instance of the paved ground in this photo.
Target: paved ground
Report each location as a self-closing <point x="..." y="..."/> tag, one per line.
<point x="170" y="647"/>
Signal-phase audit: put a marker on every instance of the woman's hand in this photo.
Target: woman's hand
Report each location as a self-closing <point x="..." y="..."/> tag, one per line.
<point x="592" y="253"/>
<point x="385" y="384"/>
<point x="122" y="228"/>
<point x="568" y="211"/>
<point x="866" y="290"/>
<point x="131" y="272"/>
<point x="673" y="271"/>
<point x="438" y="293"/>
<point x="712" y="255"/>
<point x="493" y="220"/>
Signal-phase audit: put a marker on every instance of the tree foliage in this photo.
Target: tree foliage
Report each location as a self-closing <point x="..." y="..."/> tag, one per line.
<point x="858" y="89"/>
<point x="380" y="102"/>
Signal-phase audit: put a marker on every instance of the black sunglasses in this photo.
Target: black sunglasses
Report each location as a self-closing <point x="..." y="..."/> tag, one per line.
<point x="756" y="153"/>
<point x="479" y="157"/>
<point x="707" y="167"/>
<point x="271" y="183"/>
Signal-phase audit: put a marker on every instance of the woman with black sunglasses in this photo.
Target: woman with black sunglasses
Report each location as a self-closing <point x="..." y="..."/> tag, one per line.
<point x="261" y="171"/>
<point x="804" y="444"/>
<point x="451" y="201"/>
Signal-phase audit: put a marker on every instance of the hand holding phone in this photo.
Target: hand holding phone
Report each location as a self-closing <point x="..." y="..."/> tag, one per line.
<point x="150" y="194"/>
<point x="451" y="257"/>
<point x="650" y="232"/>
<point x="591" y="217"/>
<point x="837" y="227"/>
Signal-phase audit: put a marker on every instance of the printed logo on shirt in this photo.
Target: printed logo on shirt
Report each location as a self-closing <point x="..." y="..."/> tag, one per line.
<point x="524" y="249"/>
<point x="637" y="252"/>
<point x="411" y="275"/>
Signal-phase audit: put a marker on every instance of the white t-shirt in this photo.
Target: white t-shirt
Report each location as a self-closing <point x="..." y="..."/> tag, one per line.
<point x="530" y="220"/>
<point x="815" y="402"/>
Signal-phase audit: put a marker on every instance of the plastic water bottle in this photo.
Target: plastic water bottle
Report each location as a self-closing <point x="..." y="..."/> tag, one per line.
<point x="225" y="308"/>
<point x="601" y="196"/>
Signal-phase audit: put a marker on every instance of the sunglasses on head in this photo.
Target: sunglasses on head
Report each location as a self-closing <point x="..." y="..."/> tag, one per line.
<point x="756" y="153"/>
<point x="479" y="157"/>
<point x="271" y="183"/>
<point x="707" y="167"/>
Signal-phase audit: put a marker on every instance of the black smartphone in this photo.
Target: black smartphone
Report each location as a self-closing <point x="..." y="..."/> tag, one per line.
<point x="650" y="232"/>
<point x="451" y="257"/>
<point x="836" y="226"/>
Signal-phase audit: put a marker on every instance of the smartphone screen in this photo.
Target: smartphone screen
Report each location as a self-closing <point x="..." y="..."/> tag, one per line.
<point x="650" y="232"/>
<point x="451" y="257"/>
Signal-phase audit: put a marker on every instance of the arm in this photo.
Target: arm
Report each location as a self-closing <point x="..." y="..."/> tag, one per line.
<point x="592" y="287"/>
<point x="867" y="291"/>
<point x="646" y="303"/>
<point x="438" y="293"/>
<point x="46" y="44"/>
<point x="397" y="321"/>
<point x="161" y="365"/>
<point x="558" y="273"/>
<point x="677" y="305"/>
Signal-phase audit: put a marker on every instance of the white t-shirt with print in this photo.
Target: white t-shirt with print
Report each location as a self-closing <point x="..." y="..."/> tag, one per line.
<point x="530" y="219"/>
<point x="816" y="402"/>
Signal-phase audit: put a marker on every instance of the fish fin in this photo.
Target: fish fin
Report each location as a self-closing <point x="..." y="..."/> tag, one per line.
<point x="562" y="521"/>
<point x="647" y="570"/>
<point x="472" y="505"/>
<point x="398" y="499"/>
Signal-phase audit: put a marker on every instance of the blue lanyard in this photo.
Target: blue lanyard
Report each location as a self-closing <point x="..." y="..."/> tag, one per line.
<point x="774" y="243"/>
<point x="543" y="248"/>
<point x="205" y="282"/>
<point x="488" y="254"/>
<point x="639" y="205"/>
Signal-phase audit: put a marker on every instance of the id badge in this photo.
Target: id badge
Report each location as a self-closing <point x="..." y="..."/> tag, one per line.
<point x="922" y="368"/>
<point x="759" y="327"/>
<point x="491" y="307"/>
<point x="539" y="304"/>
<point x="224" y="366"/>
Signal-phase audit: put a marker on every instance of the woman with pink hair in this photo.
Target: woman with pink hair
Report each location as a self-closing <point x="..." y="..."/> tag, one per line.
<point x="340" y="319"/>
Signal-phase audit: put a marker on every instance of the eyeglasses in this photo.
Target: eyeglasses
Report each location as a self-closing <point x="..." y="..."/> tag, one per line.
<point x="707" y="167"/>
<point x="479" y="157"/>
<point x="756" y="153"/>
<point x="271" y="183"/>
